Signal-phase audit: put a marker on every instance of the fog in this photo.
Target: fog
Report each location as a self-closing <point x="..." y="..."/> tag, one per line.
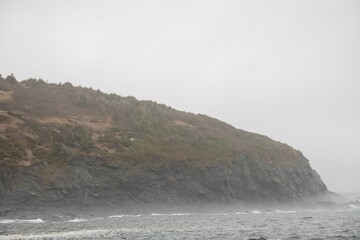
<point x="286" y="69"/>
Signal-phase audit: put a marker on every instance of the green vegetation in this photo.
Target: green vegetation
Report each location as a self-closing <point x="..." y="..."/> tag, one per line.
<point x="58" y="151"/>
<point x="77" y="136"/>
<point x="11" y="79"/>
<point x="55" y="121"/>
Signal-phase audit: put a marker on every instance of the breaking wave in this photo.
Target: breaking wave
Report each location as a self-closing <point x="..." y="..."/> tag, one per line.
<point x="77" y="220"/>
<point x="284" y="211"/>
<point x="172" y="214"/>
<point x="121" y="216"/>
<point x="7" y="221"/>
<point x="354" y="206"/>
<point x="256" y="212"/>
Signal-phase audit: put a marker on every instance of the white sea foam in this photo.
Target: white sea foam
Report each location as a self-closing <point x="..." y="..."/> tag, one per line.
<point x="182" y="214"/>
<point x="120" y="216"/>
<point x="6" y="221"/>
<point x="157" y="214"/>
<point x="354" y="206"/>
<point x="77" y="220"/>
<point x="241" y="213"/>
<point x="37" y="220"/>
<point x="256" y="212"/>
<point x="171" y="214"/>
<point x="284" y="211"/>
<point x="116" y="216"/>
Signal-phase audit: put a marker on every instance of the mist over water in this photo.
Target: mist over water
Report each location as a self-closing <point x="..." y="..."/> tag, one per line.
<point x="295" y="223"/>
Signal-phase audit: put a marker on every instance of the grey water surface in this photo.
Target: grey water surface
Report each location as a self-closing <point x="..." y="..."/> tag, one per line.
<point x="250" y="224"/>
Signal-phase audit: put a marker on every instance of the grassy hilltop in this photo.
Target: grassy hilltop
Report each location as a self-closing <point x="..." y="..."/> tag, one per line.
<point x="49" y="122"/>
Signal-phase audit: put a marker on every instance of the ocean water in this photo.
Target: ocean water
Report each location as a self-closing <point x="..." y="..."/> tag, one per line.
<point x="250" y="224"/>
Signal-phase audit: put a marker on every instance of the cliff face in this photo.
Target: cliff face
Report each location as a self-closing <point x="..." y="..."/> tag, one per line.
<point x="61" y="143"/>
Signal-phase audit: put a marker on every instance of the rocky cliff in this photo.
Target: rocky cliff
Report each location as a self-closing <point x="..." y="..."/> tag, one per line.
<point x="66" y="144"/>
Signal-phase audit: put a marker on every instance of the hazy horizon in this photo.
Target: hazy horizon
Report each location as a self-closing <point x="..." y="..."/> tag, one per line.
<point x="288" y="70"/>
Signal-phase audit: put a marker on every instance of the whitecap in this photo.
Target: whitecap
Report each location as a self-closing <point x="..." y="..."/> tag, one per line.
<point x="6" y="221"/>
<point x="171" y="214"/>
<point x="240" y="213"/>
<point x="37" y="220"/>
<point x="115" y="216"/>
<point x="120" y="216"/>
<point x="354" y="206"/>
<point x="77" y="220"/>
<point x="284" y="211"/>
<point x="157" y="214"/>
<point x="256" y="212"/>
<point x="181" y="214"/>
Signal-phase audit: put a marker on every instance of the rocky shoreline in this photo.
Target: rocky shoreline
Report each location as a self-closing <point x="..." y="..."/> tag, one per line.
<point x="90" y="182"/>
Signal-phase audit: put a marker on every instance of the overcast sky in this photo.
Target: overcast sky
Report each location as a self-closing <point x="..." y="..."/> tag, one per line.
<point x="286" y="69"/>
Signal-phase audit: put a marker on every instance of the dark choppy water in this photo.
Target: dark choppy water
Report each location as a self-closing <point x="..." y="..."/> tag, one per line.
<point x="252" y="224"/>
